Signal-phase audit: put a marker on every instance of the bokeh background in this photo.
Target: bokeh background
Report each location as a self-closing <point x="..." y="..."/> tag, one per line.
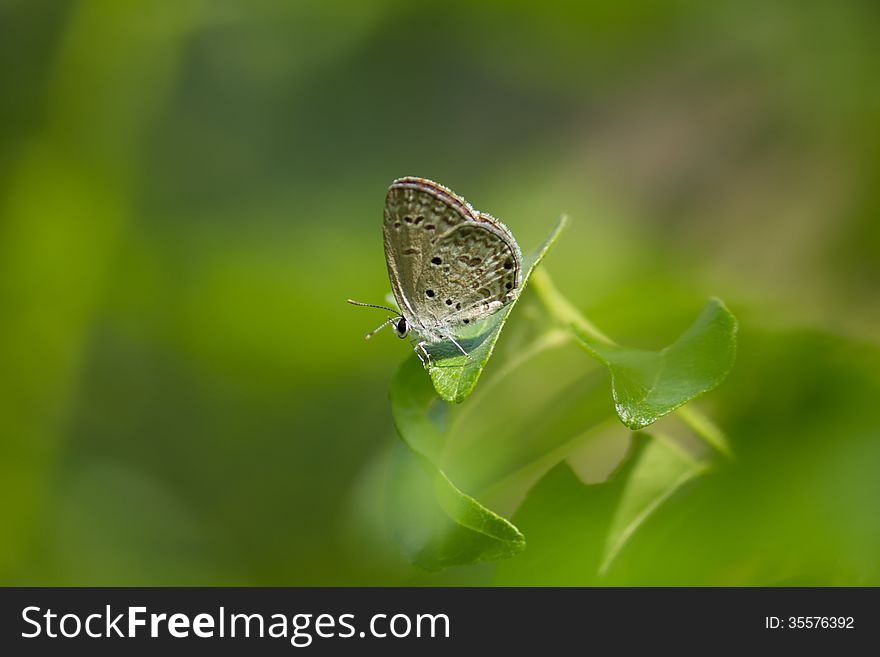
<point x="190" y="190"/>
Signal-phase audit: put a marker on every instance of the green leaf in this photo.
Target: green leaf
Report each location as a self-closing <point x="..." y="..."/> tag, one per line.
<point x="567" y="522"/>
<point x="799" y="507"/>
<point x="437" y="524"/>
<point x="647" y="385"/>
<point x="455" y="375"/>
<point x="661" y="469"/>
<point x="576" y="530"/>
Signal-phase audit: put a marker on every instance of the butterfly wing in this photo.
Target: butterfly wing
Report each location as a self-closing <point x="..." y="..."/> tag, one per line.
<point x="468" y="273"/>
<point x="417" y="212"/>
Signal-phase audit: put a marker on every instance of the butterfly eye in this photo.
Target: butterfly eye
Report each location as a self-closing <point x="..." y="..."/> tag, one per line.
<point x="401" y="328"/>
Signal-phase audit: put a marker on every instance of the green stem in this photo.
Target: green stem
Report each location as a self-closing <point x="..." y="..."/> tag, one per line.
<point x="535" y="468"/>
<point x="562" y="310"/>
<point x="551" y="339"/>
<point x="705" y="428"/>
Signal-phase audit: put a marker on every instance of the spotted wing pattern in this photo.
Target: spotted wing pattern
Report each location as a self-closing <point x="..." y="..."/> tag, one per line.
<point x="470" y="272"/>
<point x="448" y="264"/>
<point x="417" y="211"/>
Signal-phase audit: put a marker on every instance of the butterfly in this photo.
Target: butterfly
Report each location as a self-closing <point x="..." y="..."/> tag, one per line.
<point x="449" y="264"/>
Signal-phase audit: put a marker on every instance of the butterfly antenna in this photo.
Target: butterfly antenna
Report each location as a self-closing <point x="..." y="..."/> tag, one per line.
<point x="378" y="328"/>
<point x="371" y="305"/>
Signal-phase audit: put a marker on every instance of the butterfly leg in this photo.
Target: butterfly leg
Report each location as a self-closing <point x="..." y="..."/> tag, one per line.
<point x="420" y="349"/>
<point x="460" y="348"/>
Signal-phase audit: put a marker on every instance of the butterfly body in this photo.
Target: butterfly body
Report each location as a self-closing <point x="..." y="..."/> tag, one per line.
<point x="449" y="265"/>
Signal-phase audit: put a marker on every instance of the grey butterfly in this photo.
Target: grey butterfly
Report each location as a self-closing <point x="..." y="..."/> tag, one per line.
<point x="449" y="264"/>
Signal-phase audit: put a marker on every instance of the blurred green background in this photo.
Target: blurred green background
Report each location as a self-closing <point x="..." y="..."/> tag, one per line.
<point x="190" y="190"/>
